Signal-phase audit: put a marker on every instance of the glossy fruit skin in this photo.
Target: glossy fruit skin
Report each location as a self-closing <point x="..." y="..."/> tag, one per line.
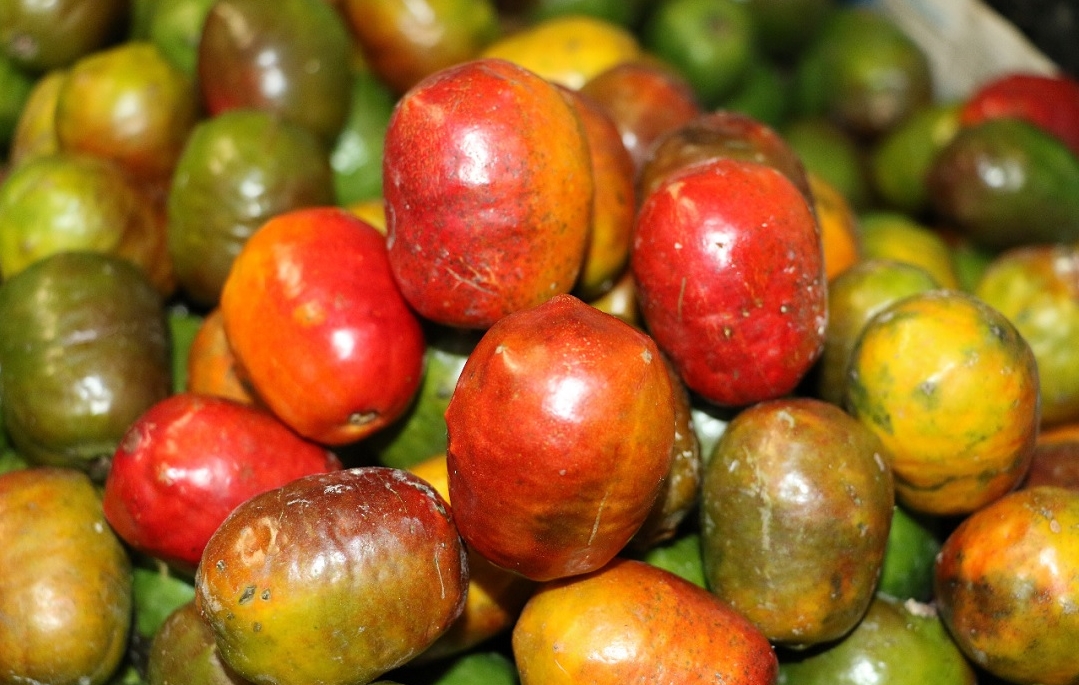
<point x="960" y="418"/>
<point x="644" y="99"/>
<point x="128" y="104"/>
<point x="289" y="58"/>
<point x="35" y="130"/>
<point x="238" y="170"/>
<point x="1005" y="586"/>
<point x="900" y="643"/>
<point x="729" y="269"/>
<point x="488" y="189"/>
<point x="319" y="327"/>
<point x="65" y="593"/>
<point x="841" y="241"/>
<point x="1037" y="288"/>
<point x="188" y="461"/>
<point x="893" y="236"/>
<point x="560" y="436"/>
<point x="42" y="36"/>
<point x="211" y="365"/>
<point x="720" y="134"/>
<point x="403" y="42"/>
<point x="334" y="578"/>
<point x="183" y="650"/>
<point x="1056" y="458"/>
<point x="992" y="177"/>
<point x="796" y="506"/>
<point x="631" y="622"/>
<point x="84" y="349"/>
<point x="1048" y="101"/>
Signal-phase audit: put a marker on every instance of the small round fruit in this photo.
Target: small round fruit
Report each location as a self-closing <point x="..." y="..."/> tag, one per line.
<point x="951" y="388"/>
<point x="634" y="623"/>
<point x="560" y="436"/>
<point x="1006" y="589"/>
<point x="319" y="327"/>
<point x="334" y="578"/>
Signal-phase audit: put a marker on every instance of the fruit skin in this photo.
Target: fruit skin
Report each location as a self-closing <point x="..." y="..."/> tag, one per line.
<point x="183" y="650"/>
<point x="960" y="417"/>
<point x="560" y="437"/>
<point x="992" y="178"/>
<point x="1037" y="288"/>
<point x="488" y="189"/>
<point x="65" y="593"/>
<point x="900" y="643"/>
<point x="890" y="235"/>
<point x="1050" y="101"/>
<point x="188" y="461"/>
<point x="1005" y="586"/>
<point x="796" y="506"/>
<point x="84" y="349"/>
<point x="334" y="578"/>
<point x="631" y="622"/>
<point x="317" y="324"/>
<point x="289" y="58"/>
<point x="729" y="269"/>
<point x="238" y="170"/>
<point x="41" y="36"/>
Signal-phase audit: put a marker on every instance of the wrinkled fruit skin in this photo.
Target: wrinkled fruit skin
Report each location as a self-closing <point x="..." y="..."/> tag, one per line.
<point x="631" y="622"/>
<point x="319" y="326"/>
<point x="187" y="462"/>
<point x="334" y="578"/>
<point x="560" y="436"/>
<point x="488" y="189"/>
<point x="730" y="277"/>
<point x="1006" y="586"/>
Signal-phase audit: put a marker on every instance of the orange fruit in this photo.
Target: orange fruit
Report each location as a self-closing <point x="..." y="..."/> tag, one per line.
<point x="211" y="364"/>
<point x="839" y="234"/>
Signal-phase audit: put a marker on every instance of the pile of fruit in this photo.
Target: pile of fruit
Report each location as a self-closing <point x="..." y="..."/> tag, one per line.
<point x="530" y="341"/>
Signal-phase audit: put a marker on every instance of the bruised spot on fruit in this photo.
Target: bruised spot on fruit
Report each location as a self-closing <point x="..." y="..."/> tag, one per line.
<point x="247" y="595"/>
<point x="361" y="418"/>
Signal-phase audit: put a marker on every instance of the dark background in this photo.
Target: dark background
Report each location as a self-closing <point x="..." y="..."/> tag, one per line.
<point x="1052" y="25"/>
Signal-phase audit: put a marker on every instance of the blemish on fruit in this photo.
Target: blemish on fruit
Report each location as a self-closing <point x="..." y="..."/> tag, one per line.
<point x="220" y="565"/>
<point x="256" y="626"/>
<point x="265" y="595"/>
<point x="362" y="418"/>
<point x="247" y="595"/>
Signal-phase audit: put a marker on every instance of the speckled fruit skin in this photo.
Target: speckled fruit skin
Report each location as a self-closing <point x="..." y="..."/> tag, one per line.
<point x="560" y="436"/>
<point x="729" y="269"/>
<point x="633" y="623"/>
<point x="951" y="388"/>
<point x="488" y="186"/>
<point x="188" y="461"/>
<point x="319" y="327"/>
<point x="1006" y="586"/>
<point x="334" y="578"/>
<point x="796" y="506"/>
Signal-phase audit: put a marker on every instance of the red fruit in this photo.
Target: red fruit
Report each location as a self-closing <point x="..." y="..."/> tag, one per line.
<point x="488" y="188"/>
<point x="560" y="435"/>
<point x="319" y="328"/>
<point x="1048" y="101"/>
<point x="729" y="271"/>
<point x="188" y="461"/>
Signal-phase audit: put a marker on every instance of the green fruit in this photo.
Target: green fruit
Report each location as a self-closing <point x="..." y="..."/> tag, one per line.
<point x="65" y="593"/>
<point x="913" y="544"/>
<point x="854" y="297"/>
<point x="681" y="556"/>
<point x="39" y="36"/>
<point x="84" y="352"/>
<point x="15" y="87"/>
<point x="786" y="27"/>
<point x="763" y="93"/>
<point x="900" y="161"/>
<point x="184" y="325"/>
<point x="623" y="12"/>
<point x="709" y="41"/>
<point x="157" y="593"/>
<point x="356" y="157"/>
<point x="863" y="72"/>
<point x="1006" y="182"/>
<point x="473" y="668"/>
<point x="898" y="237"/>
<point x="184" y="651"/>
<point x="175" y="26"/>
<point x="238" y="170"/>
<point x="898" y="643"/>
<point x="830" y="152"/>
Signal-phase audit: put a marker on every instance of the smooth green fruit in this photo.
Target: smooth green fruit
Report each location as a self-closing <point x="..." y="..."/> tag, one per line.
<point x="898" y="643"/>
<point x="832" y="153"/>
<point x="15" y="87"/>
<point x="909" y="559"/>
<point x="681" y="556"/>
<point x="356" y="157"/>
<point x="900" y="161"/>
<point x="786" y="27"/>
<point x="157" y="593"/>
<point x="763" y="94"/>
<point x="175" y="26"/>
<point x="184" y="651"/>
<point x="898" y="237"/>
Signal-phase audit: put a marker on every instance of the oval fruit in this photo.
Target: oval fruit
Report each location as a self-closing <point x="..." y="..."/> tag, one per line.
<point x="334" y="578"/>
<point x="188" y="461"/>
<point x="488" y="189"/>
<point x="317" y="324"/>
<point x="959" y="418"/>
<point x="1005" y="586"/>
<point x="796" y="505"/>
<point x="560" y="436"/>
<point x="729" y="269"/>
<point x="633" y="623"/>
<point x="1050" y="101"/>
<point x="183" y="650"/>
<point x="65" y="593"/>
<point x="211" y="366"/>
